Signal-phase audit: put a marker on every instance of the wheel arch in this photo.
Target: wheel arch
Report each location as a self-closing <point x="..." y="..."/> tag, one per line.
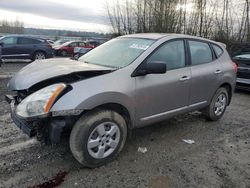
<point x="120" y="109"/>
<point x="229" y="89"/>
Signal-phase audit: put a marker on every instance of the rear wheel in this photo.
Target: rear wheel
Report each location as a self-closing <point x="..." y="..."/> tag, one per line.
<point x="218" y="105"/>
<point x="98" y="137"/>
<point x="39" y="56"/>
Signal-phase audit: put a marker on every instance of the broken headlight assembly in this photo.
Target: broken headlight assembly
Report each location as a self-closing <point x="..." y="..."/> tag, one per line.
<point x="40" y="102"/>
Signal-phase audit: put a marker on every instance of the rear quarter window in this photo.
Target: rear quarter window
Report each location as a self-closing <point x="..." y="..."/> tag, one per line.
<point x="218" y="50"/>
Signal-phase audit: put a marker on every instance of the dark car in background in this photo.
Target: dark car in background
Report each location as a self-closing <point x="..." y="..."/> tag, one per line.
<point x="243" y="74"/>
<point x="25" y="47"/>
<point x="240" y="54"/>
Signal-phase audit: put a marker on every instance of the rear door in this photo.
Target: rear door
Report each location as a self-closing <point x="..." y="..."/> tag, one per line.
<point x="71" y="47"/>
<point x="206" y="72"/>
<point x="9" y="47"/>
<point x="27" y="46"/>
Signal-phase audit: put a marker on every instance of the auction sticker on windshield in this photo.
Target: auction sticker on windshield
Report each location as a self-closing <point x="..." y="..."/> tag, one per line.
<point x="139" y="46"/>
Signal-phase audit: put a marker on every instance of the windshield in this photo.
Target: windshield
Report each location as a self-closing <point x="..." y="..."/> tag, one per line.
<point x="117" y="52"/>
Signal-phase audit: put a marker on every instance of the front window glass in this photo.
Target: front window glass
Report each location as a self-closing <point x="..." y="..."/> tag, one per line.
<point x="9" y="40"/>
<point x="117" y="52"/>
<point x="172" y="53"/>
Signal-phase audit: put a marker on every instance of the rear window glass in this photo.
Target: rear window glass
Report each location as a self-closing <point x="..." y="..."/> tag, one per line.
<point x="200" y="52"/>
<point x="23" y="40"/>
<point x="217" y="50"/>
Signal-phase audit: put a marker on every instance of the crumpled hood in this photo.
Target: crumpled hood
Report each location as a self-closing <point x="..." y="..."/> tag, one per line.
<point x="41" y="70"/>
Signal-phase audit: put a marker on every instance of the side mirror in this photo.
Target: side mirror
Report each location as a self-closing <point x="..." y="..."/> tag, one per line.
<point x="153" y="67"/>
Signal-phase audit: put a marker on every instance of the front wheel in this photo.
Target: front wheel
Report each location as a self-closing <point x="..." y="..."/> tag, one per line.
<point x="218" y="105"/>
<point x="98" y="137"/>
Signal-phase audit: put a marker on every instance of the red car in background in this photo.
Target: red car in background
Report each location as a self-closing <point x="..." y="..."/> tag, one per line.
<point x="67" y="48"/>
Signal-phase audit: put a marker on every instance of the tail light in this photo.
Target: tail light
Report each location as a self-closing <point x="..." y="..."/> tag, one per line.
<point x="235" y="67"/>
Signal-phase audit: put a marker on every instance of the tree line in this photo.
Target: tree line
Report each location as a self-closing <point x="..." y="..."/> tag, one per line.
<point x="12" y="27"/>
<point x="222" y="20"/>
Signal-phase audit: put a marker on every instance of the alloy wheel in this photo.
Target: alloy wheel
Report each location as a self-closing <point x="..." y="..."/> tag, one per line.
<point x="220" y="104"/>
<point x="40" y="55"/>
<point x="103" y="140"/>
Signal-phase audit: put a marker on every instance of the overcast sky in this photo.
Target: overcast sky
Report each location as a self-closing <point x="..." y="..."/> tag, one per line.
<point x="84" y="15"/>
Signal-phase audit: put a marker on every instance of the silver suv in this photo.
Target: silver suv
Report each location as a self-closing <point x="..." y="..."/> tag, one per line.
<point x="128" y="82"/>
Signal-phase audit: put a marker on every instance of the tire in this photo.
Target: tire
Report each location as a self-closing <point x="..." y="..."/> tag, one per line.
<point x="39" y="56"/>
<point x="216" y="109"/>
<point x="86" y="131"/>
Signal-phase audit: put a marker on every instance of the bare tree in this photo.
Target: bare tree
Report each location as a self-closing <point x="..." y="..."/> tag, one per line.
<point x="15" y="27"/>
<point x="216" y="19"/>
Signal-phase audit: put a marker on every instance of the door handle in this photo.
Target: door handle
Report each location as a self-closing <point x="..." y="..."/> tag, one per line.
<point x="217" y="72"/>
<point x="184" y="78"/>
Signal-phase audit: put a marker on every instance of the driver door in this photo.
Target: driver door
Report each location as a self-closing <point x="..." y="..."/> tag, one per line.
<point x="71" y="47"/>
<point x="161" y="95"/>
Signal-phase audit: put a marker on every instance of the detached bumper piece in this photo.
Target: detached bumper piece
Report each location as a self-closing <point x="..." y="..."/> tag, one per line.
<point x="26" y="127"/>
<point x="9" y="99"/>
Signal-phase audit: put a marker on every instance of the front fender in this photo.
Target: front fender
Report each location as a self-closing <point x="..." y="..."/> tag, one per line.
<point x="70" y="101"/>
<point x="107" y="97"/>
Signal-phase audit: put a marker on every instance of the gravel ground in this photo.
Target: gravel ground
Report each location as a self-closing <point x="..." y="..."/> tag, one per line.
<point x="220" y="156"/>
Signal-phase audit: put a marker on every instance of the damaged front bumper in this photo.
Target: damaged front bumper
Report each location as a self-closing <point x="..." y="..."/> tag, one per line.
<point x="27" y="127"/>
<point x="47" y="128"/>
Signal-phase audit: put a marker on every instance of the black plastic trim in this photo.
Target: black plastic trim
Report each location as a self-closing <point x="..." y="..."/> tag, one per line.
<point x="23" y="125"/>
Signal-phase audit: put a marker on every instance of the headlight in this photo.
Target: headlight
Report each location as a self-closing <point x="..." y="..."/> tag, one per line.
<point x="40" y="102"/>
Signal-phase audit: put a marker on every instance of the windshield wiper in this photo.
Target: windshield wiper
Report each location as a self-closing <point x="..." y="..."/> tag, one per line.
<point x="102" y="65"/>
